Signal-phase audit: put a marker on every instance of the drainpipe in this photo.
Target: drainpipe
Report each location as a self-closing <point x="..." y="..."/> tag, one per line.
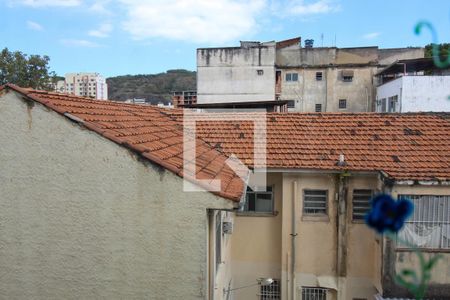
<point x="341" y="218"/>
<point x="293" y="235"/>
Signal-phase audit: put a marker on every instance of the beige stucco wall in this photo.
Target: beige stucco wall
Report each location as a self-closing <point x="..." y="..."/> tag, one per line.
<point x="316" y="242"/>
<point x="81" y="217"/>
<point x="256" y="248"/>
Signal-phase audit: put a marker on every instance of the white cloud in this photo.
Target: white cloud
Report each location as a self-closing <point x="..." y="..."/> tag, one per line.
<point x="99" y="7"/>
<point x="371" y="35"/>
<point x="79" y="43"/>
<point x="201" y="21"/>
<point x="102" y="32"/>
<point x="307" y="8"/>
<point x="40" y="3"/>
<point x="34" y="26"/>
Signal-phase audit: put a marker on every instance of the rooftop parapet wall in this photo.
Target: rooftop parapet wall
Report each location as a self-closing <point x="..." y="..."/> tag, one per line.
<point x="263" y="55"/>
<point x="316" y="57"/>
<point x="388" y="56"/>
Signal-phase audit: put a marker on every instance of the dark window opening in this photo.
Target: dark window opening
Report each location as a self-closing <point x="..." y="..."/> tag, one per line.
<point x="318" y="107"/>
<point x="291" y="104"/>
<point x="318" y="76"/>
<point x="342" y="103"/>
<point x="259" y="201"/>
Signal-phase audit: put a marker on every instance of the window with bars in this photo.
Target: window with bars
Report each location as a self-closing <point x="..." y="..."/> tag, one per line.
<point x="361" y="203"/>
<point x="318" y="107"/>
<point x="318" y="76"/>
<point x="315" y="202"/>
<point x="259" y="201"/>
<point x="272" y="291"/>
<point x="429" y="226"/>
<point x="342" y="103"/>
<point x="313" y="293"/>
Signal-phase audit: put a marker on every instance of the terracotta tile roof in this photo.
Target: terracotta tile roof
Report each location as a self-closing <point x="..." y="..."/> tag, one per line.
<point x="403" y="146"/>
<point x="147" y="130"/>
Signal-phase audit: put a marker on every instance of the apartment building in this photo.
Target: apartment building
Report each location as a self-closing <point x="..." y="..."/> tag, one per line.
<point x="91" y="85"/>
<point x="413" y="85"/>
<point x="309" y="79"/>
<point x="306" y="228"/>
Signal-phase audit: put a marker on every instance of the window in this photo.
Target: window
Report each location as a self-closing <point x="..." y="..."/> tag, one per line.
<point x="361" y="203"/>
<point x="272" y="291"/>
<point x="318" y="107"/>
<point x="259" y="202"/>
<point x="260" y="72"/>
<point x="291" y="76"/>
<point x="319" y="76"/>
<point x="393" y="103"/>
<point x="383" y="105"/>
<point x="218" y="240"/>
<point x="347" y="75"/>
<point x="315" y="202"/>
<point x="429" y="226"/>
<point x="309" y="293"/>
<point x="342" y="103"/>
<point x="291" y="104"/>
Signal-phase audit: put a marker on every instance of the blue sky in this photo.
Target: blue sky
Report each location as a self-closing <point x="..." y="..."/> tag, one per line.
<point x="118" y="37"/>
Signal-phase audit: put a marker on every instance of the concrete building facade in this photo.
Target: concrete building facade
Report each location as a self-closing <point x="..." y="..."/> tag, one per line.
<point x="236" y="74"/>
<point x="91" y="85"/>
<point x="310" y="79"/>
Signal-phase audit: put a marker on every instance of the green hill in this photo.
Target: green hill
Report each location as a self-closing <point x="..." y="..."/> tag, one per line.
<point x="153" y="87"/>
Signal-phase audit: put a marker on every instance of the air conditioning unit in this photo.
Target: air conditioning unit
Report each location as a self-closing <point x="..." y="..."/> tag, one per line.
<point x="227" y="227"/>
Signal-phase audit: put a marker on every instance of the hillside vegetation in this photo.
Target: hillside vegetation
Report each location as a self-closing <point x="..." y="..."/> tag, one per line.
<point x="153" y="87"/>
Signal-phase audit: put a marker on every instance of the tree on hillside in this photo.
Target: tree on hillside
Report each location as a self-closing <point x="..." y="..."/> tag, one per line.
<point x="444" y="49"/>
<point x="26" y="70"/>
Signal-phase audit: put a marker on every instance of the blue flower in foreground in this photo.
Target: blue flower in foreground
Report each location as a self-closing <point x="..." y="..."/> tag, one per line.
<point x="388" y="214"/>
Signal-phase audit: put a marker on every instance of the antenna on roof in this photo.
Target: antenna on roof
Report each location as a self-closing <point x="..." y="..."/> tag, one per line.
<point x="321" y="38"/>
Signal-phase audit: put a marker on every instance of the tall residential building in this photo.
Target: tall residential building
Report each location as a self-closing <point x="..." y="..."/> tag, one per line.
<point x="84" y="84"/>
<point x="307" y="79"/>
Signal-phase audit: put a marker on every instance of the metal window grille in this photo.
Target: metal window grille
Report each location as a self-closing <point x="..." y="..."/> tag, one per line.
<point x="259" y="201"/>
<point x="347" y="78"/>
<point x="342" y="103"/>
<point x="361" y="203"/>
<point x="272" y="291"/>
<point x="429" y="226"/>
<point x="218" y="240"/>
<point x="315" y="201"/>
<point x="318" y="76"/>
<point x="318" y="107"/>
<point x="309" y="293"/>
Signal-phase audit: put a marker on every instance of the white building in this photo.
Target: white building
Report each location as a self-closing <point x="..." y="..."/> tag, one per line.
<point x="84" y="84"/>
<point x="414" y="85"/>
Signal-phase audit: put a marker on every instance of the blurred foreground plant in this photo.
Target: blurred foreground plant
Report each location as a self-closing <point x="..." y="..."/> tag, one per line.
<point x="387" y="216"/>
